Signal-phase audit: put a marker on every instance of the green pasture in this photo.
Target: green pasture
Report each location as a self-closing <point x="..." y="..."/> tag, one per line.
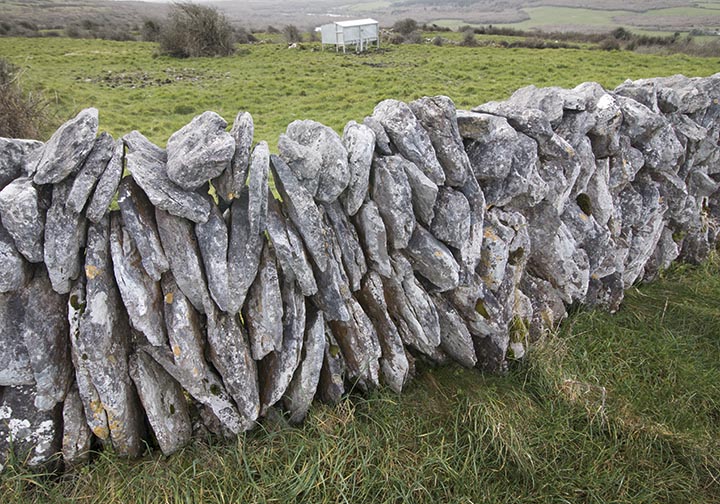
<point x="134" y="89"/>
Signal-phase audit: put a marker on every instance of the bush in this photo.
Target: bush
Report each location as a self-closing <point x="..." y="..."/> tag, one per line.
<point x="405" y="26"/>
<point x="150" y="31"/>
<point x="292" y="34"/>
<point x="194" y="30"/>
<point x="437" y="40"/>
<point x="21" y="114"/>
<point x="468" y="39"/>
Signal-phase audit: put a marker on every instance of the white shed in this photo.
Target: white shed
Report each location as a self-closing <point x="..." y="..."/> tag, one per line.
<point x="360" y="33"/>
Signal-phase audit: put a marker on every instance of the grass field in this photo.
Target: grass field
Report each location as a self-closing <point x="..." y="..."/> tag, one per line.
<point x="158" y="95"/>
<point x="620" y="408"/>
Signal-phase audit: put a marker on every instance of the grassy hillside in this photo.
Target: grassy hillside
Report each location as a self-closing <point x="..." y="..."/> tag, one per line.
<point x="158" y="95"/>
<point x="618" y="408"/>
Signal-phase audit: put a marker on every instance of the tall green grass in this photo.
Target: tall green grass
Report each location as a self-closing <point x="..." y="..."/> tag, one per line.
<point x="620" y="408"/>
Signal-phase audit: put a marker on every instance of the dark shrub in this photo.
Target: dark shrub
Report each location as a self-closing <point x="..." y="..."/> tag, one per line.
<point x="292" y="34"/>
<point x="21" y="114"/>
<point x="150" y="31"/>
<point x="195" y="30"/>
<point x="468" y="39"/>
<point x="405" y="26"/>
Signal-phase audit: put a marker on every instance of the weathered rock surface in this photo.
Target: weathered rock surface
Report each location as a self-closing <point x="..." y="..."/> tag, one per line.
<point x="302" y="388"/>
<point x="67" y="149"/>
<point x="382" y="140"/>
<point x="245" y="247"/>
<point x="23" y="216"/>
<point x="411" y="140"/>
<point x="263" y="312"/>
<point x="77" y="436"/>
<point x="258" y="188"/>
<point x="373" y="237"/>
<point x="107" y="184"/>
<point x="433" y="260"/>
<point x="15" y="366"/>
<point x="392" y="194"/>
<point x="424" y="191"/>
<point x="101" y="348"/>
<point x="455" y="338"/>
<point x="181" y="248"/>
<point x="212" y="239"/>
<point x="17" y="158"/>
<point x="138" y="220"/>
<point x="452" y="220"/>
<point x="231" y="181"/>
<point x="353" y="258"/>
<point x="141" y="295"/>
<point x="200" y="151"/>
<point x="332" y="375"/>
<point x="319" y="159"/>
<point x="333" y="283"/>
<point x="146" y="163"/>
<point x="163" y="401"/>
<point x="64" y="239"/>
<point x="90" y="172"/>
<point x="359" y="140"/>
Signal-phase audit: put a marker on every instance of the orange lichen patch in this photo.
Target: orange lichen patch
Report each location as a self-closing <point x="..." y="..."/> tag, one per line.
<point x="92" y="271"/>
<point x="490" y="234"/>
<point x="176" y="351"/>
<point x="101" y="432"/>
<point x="169" y="298"/>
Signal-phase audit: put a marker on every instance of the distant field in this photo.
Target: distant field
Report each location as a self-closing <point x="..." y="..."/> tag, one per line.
<point x="158" y="95"/>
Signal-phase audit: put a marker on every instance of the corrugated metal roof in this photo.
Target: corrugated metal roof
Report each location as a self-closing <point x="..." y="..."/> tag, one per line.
<point x="356" y="22"/>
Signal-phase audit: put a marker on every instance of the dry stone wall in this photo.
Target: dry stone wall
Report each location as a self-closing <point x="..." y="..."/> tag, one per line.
<point x="424" y="233"/>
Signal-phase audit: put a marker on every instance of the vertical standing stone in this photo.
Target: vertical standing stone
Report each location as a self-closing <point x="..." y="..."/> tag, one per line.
<point x="231" y="181"/>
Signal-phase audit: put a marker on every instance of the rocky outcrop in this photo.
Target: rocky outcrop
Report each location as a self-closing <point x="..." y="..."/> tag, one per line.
<point x="424" y="234"/>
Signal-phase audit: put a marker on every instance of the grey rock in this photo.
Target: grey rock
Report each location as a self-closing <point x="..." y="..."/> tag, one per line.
<point x="495" y="251"/>
<point x="101" y="348"/>
<point x="452" y="220"/>
<point x="333" y="284"/>
<point x="277" y="368"/>
<point x="359" y="140"/>
<point x="258" y="189"/>
<point x="64" y="239"/>
<point x="163" y="401"/>
<point x="201" y="150"/>
<point x="642" y="91"/>
<point x="373" y="237"/>
<point x="455" y="338"/>
<point x="33" y="435"/>
<point x="639" y="122"/>
<point x="186" y="362"/>
<point x="333" y="173"/>
<point x="77" y="436"/>
<point x="353" y="258"/>
<point x="146" y="164"/>
<point x="302" y="388"/>
<point x="67" y="149"/>
<point x="263" y="312"/>
<point x="138" y="219"/>
<point x="244" y="249"/>
<point x="411" y="140"/>
<point x="678" y="93"/>
<point x="17" y="158"/>
<point x="360" y="347"/>
<point x="382" y="140"/>
<point x="438" y="117"/>
<point x="289" y="249"/>
<point x="332" y="375"/>
<point x="303" y="211"/>
<point x="394" y="365"/>
<point x="107" y="184"/>
<point x="230" y="354"/>
<point x="547" y="305"/>
<point x="45" y="333"/>
<point x="598" y="190"/>
<point x="424" y="191"/>
<point x="141" y="295"/>
<point x="15" y="369"/>
<point x="608" y="120"/>
<point x="90" y="172"/>
<point x="624" y="166"/>
<point x="663" y="150"/>
<point x="181" y="248"/>
<point x="231" y="181"/>
<point x="593" y="238"/>
<point x="606" y="293"/>
<point x="23" y="216"/>
<point x="411" y="309"/>
<point x="433" y="260"/>
<point x="471" y="249"/>
<point x="392" y="193"/>
<point x="304" y="161"/>
<point x="212" y="240"/>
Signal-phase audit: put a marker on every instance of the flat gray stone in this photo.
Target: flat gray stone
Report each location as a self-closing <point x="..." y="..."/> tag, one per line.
<point x="394" y="364"/>
<point x="331" y="387"/>
<point x="433" y="260"/>
<point x="23" y="216"/>
<point x="382" y="140"/>
<point x="392" y="194"/>
<point x="141" y="295"/>
<point x="230" y="354"/>
<point x="77" y="436"/>
<point x="64" y="239"/>
<point x="67" y="149"/>
<point x="455" y="338"/>
<point x="411" y="140"/>
<point x="359" y="141"/>
<point x="438" y="117"/>
<point x="301" y="391"/>
<point x="15" y="366"/>
<point x="244" y="249"/>
<point x="201" y="150"/>
<point x="90" y="172"/>
<point x="231" y="181"/>
<point x="163" y="401"/>
<point x="138" y="220"/>
<point x="424" y="191"/>
<point x="212" y="240"/>
<point x="277" y="368"/>
<point x="107" y="184"/>
<point x="333" y="284"/>
<point x="289" y="249"/>
<point x="258" y="188"/>
<point x="452" y="220"/>
<point x="17" y="158"/>
<point x="373" y="237"/>
<point x="263" y="311"/>
<point x="353" y="258"/>
<point x="181" y="248"/>
<point x="146" y="164"/>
